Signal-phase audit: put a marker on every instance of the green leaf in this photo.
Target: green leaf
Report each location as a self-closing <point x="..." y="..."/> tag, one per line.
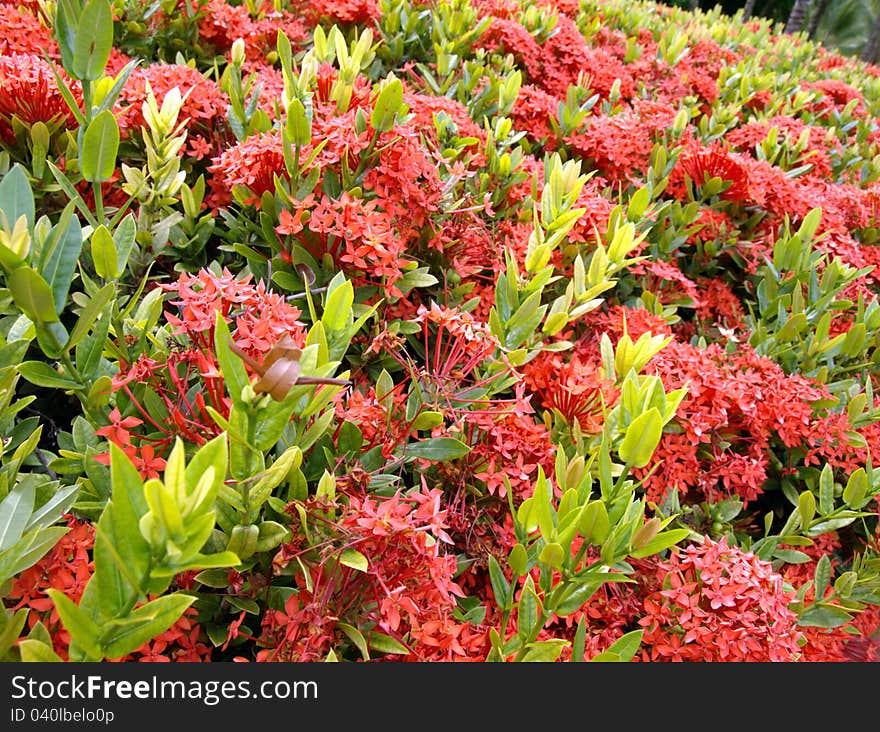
<point x="527" y="613"/>
<point x="33" y="295"/>
<point x="93" y="41"/>
<point x="213" y="454"/>
<point x="60" y="254"/>
<point x="806" y="508"/>
<point x="553" y="554"/>
<point x="627" y="645"/>
<point x="823" y="615"/>
<point x="856" y="489"/>
<point x="271" y="535"/>
<point x="437" y="449"/>
<point x="89" y="350"/>
<point x="28" y="550"/>
<point x="641" y="439"/>
<point x="574" y="596"/>
<point x="42" y="374"/>
<point x="122" y="555"/>
<point x="298" y="126"/>
<point x="104" y="253"/>
<point x="354" y="559"/>
<point x="16" y="196"/>
<point x="15" y="512"/>
<point x="500" y="586"/>
<point x="388" y="102"/>
<point x="385" y="644"/>
<point x="81" y="627"/>
<point x="99" y="147"/>
<point x="826" y="491"/>
<point x="663" y="540"/>
<point x="545" y="651"/>
<point x="36" y="651"/>
<point x="356" y="637"/>
<point x="144" y="624"/>
<point x="124" y="238"/>
<point x="337" y="310"/>
<point x="67" y="14"/>
<point x="427" y="420"/>
<point x="518" y="560"/>
<point x="243" y="541"/>
<point x="231" y="366"/>
<point x="10" y="627"/>
<point x="822" y="576"/>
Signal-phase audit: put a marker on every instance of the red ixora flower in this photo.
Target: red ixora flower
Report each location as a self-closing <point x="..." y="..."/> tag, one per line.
<point x="29" y="92"/>
<point x="719" y="603"/>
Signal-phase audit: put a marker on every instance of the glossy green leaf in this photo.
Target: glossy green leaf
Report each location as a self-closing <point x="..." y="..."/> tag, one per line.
<point x="16" y="196"/>
<point x="354" y="559"/>
<point x="33" y="295"/>
<point x="100" y="144"/>
<point x="60" y="255"/>
<point x="500" y="586"/>
<point x="91" y="348"/>
<point x="81" y="627"/>
<point x="437" y="449"/>
<point x="35" y="651"/>
<point x="641" y="438"/>
<point x="824" y="615"/>
<point x="545" y="651"/>
<point x="144" y="624"/>
<point x="42" y="374"/>
<point x="15" y="513"/>
<point x="385" y="644"/>
<point x="93" y="41"/>
<point x="627" y="645"/>
<point x="663" y="540"/>
<point x="104" y="253"/>
<point x="231" y="366"/>
<point x="356" y="637"/>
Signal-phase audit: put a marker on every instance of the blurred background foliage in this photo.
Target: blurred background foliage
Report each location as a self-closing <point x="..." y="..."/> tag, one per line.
<point x="850" y="27"/>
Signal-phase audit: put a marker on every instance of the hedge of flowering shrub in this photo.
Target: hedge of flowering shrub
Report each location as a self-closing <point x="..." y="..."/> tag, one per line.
<point x="455" y="330"/>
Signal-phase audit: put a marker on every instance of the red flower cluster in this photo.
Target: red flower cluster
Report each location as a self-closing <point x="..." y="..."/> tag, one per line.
<point x="718" y="603"/>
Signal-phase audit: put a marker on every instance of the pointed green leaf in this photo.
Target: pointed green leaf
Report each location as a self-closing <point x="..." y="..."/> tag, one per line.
<point x="16" y="197"/>
<point x="93" y="40"/>
<point x="104" y="253"/>
<point x="100" y="144"/>
<point x="60" y="255"/>
<point x="627" y="645"/>
<point x="15" y="512"/>
<point x="81" y="627"/>
<point x="386" y="644"/>
<point x="144" y="624"/>
<point x="35" y="651"/>
<point x="354" y="559"/>
<point x="33" y="295"/>
<point x="437" y="449"/>
<point x="42" y="374"/>
<point x="641" y="439"/>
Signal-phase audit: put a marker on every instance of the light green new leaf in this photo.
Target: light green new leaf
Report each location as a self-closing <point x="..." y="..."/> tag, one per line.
<point x="97" y="157"/>
<point x="81" y="627"/>
<point x="641" y="439"/>
<point x="104" y="253"/>
<point x="144" y="624"/>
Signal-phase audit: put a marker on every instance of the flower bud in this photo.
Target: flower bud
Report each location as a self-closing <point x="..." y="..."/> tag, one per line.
<point x="237" y="55"/>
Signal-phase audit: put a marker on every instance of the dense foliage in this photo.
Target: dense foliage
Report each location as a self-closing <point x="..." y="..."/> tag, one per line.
<point x="469" y="330"/>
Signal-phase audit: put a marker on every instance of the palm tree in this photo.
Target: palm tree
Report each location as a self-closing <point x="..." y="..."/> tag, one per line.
<point x="797" y="16"/>
<point x="816" y="16"/>
<point x="871" y="52"/>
